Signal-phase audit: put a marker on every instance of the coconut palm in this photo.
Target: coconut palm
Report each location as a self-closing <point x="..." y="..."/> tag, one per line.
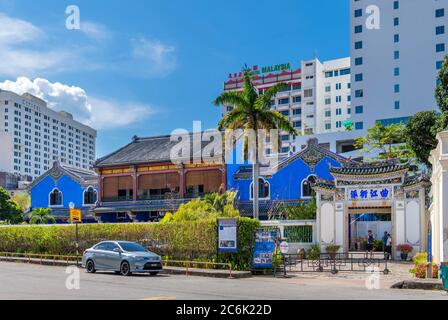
<point x="252" y="111"/>
<point x="41" y="216"/>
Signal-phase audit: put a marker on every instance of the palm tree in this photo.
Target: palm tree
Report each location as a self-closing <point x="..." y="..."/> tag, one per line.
<point x="41" y="216"/>
<point x="252" y="111"/>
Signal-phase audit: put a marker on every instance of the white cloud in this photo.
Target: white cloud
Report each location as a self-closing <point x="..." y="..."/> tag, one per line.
<point x="154" y="57"/>
<point x="95" y="30"/>
<point x="17" y="31"/>
<point x="93" y="111"/>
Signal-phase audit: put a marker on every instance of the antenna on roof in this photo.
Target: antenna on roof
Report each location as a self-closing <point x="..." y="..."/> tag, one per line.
<point x="134" y="138"/>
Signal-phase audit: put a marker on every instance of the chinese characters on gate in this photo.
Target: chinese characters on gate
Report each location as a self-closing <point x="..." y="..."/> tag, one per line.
<point x="369" y="194"/>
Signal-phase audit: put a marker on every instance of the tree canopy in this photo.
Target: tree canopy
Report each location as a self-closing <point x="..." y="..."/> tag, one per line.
<point x="10" y="212"/>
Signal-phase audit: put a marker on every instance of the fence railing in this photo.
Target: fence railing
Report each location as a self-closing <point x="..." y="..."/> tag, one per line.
<point x="334" y="263"/>
<point x="10" y="256"/>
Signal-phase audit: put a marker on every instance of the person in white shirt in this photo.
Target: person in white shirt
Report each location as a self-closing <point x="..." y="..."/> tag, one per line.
<point x="388" y="246"/>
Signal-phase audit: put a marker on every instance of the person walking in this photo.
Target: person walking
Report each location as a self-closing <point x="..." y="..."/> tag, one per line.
<point x="385" y="237"/>
<point x="388" y="247"/>
<point x="370" y="242"/>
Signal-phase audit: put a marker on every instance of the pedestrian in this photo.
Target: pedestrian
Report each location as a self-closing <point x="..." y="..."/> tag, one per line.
<point x="388" y="247"/>
<point x="385" y="236"/>
<point x="370" y="242"/>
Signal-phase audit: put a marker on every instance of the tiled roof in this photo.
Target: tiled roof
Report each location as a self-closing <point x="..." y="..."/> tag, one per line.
<point x="324" y="184"/>
<point x="370" y="168"/>
<point x="83" y="177"/>
<point x="144" y="150"/>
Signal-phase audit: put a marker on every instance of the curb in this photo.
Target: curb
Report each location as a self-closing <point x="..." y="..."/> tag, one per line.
<point x="419" y="285"/>
<point x="166" y="270"/>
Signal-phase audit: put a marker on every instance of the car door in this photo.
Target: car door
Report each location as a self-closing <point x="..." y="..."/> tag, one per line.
<point x="112" y="259"/>
<point x="99" y="255"/>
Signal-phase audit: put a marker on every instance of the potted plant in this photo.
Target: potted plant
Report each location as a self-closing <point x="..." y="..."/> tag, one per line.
<point x="332" y="249"/>
<point x="405" y="249"/>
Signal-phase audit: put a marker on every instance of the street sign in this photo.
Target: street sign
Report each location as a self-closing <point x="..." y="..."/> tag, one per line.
<point x="75" y="215"/>
<point x="284" y="247"/>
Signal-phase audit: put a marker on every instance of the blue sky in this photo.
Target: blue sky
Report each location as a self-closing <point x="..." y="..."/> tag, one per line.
<point x="148" y="67"/>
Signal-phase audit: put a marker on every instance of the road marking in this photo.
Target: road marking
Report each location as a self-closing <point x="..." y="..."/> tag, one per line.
<point x="161" y="298"/>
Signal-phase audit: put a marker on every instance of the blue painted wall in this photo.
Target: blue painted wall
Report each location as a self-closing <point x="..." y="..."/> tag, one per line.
<point x="286" y="184"/>
<point x="71" y="190"/>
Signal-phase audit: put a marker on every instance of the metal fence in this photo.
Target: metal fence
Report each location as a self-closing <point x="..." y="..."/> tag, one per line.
<point x="333" y="263"/>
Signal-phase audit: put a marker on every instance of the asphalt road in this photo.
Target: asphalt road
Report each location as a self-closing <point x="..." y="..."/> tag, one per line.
<point x="24" y="281"/>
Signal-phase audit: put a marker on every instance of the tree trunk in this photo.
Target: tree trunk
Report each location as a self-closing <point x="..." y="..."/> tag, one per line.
<point x="256" y="185"/>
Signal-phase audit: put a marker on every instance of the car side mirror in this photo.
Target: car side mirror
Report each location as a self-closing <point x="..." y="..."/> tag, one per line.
<point x="118" y="250"/>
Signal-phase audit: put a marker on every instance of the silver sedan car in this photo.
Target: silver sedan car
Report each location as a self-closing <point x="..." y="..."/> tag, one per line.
<point x="122" y="257"/>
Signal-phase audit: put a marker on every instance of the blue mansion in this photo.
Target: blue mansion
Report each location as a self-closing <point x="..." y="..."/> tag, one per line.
<point x="290" y="182"/>
<point x="62" y="185"/>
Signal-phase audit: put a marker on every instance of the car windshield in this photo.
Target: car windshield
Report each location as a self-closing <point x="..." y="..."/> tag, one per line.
<point x="131" y="247"/>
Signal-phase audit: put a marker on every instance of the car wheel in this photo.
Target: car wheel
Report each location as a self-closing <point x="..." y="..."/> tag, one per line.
<point x="90" y="266"/>
<point x="125" y="269"/>
<point x="153" y="273"/>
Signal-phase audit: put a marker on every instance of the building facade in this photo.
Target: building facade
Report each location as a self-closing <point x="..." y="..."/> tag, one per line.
<point x="290" y="182"/>
<point x="438" y="212"/>
<point x="397" y="48"/>
<point x="381" y="197"/>
<point x="61" y="186"/>
<point x="40" y="135"/>
<point x="140" y="182"/>
<point x="317" y="98"/>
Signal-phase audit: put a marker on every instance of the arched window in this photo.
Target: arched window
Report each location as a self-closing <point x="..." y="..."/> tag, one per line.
<point x="55" y="198"/>
<point x="90" y="196"/>
<point x="264" y="189"/>
<point x="307" y="186"/>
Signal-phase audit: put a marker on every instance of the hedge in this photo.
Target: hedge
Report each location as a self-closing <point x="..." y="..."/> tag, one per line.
<point x="192" y="240"/>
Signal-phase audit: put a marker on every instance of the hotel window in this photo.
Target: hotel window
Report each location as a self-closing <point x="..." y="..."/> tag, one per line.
<point x="396" y="5"/>
<point x="327" y="126"/>
<point x="396" y="72"/>
<point x="285" y="138"/>
<point x="440" y="47"/>
<point x="338" y="86"/>
<point x="296" y="86"/>
<point x="397" y="88"/>
<point x="358" y="13"/>
<point x="359" y="93"/>
<point x="328" y="88"/>
<point x="349" y="110"/>
<point x="349" y="85"/>
<point x="297" y="111"/>
<point x="283" y="101"/>
<point x="338" y="111"/>
<point x="358" y="61"/>
<point x="308" y="93"/>
<point x="328" y="113"/>
<point x="349" y="98"/>
<point x="358" y="45"/>
<point x="339" y="99"/>
<point x="329" y="74"/>
<point x="284" y="150"/>
<point x="297" y="99"/>
<point x="358" y="29"/>
<point x="297" y="124"/>
<point x="397" y="105"/>
<point x="440" y="13"/>
<point x="359" y="125"/>
<point x="396" y="55"/>
<point x="440" y="30"/>
<point x="344" y="72"/>
<point x="338" y="124"/>
<point x="396" y="38"/>
<point x="285" y="113"/>
<point x="439" y="65"/>
<point x="229" y="108"/>
<point x="327" y="101"/>
<point x="358" y="77"/>
<point x="396" y="21"/>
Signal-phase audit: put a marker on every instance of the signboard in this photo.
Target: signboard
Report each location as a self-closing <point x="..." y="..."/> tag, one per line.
<point x="276" y="68"/>
<point x="370" y="194"/>
<point x="75" y="216"/>
<point x="227" y="239"/>
<point x="264" y="249"/>
<point x="284" y="247"/>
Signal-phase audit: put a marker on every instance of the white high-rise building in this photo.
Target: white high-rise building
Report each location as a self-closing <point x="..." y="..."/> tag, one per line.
<point x="397" y="49"/>
<point x="41" y="136"/>
<point x="316" y="100"/>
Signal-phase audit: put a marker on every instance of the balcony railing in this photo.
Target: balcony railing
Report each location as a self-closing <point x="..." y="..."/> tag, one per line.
<point x="167" y="196"/>
<point x="117" y="199"/>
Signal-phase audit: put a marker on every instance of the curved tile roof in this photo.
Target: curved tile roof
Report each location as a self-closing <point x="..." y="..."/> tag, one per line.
<point x="370" y="169"/>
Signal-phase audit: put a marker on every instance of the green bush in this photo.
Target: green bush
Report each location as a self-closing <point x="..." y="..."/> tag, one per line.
<point x="190" y="240"/>
<point x="314" y="252"/>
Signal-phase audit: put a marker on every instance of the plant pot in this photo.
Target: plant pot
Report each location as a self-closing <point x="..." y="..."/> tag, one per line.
<point x="404" y="256"/>
<point x="332" y="255"/>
